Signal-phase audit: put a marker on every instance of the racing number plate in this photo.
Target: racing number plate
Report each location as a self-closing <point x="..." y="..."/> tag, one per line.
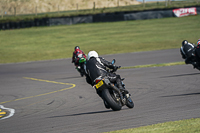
<point x="99" y="84"/>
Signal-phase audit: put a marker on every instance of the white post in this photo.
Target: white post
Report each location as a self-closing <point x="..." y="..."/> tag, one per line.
<point x="36" y="11"/>
<point x="58" y="9"/>
<point x="1" y="13"/>
<point x="169" y="2"/>
<point x="144" y="3"/>
<point x="94" y="6"/>
<point x="117" y="3"/>
<point x="15" y="11"/>
<point x="77" y="7"/>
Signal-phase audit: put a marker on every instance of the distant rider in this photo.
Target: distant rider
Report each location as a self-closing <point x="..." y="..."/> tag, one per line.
<point x="188" y="52"/>
<point x="77" y="54"/>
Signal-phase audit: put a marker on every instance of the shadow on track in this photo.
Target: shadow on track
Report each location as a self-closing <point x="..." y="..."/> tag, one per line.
<point x="181" y="75"/>
<point x="88" y="113"/>
<point x="189" y="94"/>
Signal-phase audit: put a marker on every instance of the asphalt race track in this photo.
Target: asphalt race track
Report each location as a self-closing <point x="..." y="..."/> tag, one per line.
<point x="51" y="96"/>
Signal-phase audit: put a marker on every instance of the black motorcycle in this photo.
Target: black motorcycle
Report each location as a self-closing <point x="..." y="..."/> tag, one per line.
<point x="195" y="64"/>
<point x="190" y="53"/>
<point x="111" y="94"/>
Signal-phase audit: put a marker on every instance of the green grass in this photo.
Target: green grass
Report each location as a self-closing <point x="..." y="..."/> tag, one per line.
<point x="182" y="126"/>
<point x="154" y="65"/>
<point x="57" y="42"/>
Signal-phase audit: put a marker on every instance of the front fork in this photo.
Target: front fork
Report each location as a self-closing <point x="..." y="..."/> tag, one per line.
<point x="123" y="97"/>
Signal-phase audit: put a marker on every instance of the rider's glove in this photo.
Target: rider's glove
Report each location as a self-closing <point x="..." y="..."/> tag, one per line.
<point x="115" y="68"/>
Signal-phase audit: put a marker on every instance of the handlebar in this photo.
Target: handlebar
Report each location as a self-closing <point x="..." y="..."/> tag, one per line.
<point x="114" y="70"/>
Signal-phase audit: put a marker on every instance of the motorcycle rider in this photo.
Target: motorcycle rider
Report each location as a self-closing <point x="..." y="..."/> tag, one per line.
<point x="77" y="54"/>
<point x="96" y="68"/>
<point x="197" y="53"/>
<point x="188" y="52"/>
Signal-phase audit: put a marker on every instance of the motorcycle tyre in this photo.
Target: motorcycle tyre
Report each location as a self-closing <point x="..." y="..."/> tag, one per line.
<point x="115" y="106"/>
<point x="82" y="71"/>
<point x="198" y="68"/>
<point x="129" y="103"/>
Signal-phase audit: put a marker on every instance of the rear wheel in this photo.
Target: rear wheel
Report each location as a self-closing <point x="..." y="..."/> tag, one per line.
<point x="111" y="98"/>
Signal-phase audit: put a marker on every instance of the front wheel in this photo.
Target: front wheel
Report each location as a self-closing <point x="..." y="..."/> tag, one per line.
<point x="110" y="97"/>
<point x="129" y="103"/>
<point x="198" y="68"/>
<point x="81" y="70"/>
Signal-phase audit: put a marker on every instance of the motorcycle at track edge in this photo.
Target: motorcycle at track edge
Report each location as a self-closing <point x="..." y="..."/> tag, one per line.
<point x="190" y="52"/>
<point x="111" y="94"/>
<point x="195" y="65"/>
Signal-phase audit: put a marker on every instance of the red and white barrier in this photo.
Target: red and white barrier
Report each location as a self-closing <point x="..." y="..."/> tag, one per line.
<point x="185" y="11"/>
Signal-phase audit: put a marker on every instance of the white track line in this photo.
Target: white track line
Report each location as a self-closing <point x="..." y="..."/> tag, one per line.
<point x="12" y="111"/>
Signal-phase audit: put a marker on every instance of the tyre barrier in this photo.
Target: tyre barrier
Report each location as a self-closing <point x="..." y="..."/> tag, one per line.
<point x="24" y="24"/>
<point x="109" y="17"/>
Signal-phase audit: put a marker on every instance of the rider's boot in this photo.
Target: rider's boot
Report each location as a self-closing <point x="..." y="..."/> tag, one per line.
<point x="78" y="67"/>
<point x="121" y="88"/>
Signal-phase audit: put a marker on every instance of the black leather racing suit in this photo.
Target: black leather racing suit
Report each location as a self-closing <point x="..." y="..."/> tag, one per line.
<point x="96" y="67"/>
<point x="191" y="53"/>
<point x="187" y="52"/>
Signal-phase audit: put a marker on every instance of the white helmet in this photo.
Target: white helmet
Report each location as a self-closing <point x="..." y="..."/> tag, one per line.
<point x="92" y="54"/>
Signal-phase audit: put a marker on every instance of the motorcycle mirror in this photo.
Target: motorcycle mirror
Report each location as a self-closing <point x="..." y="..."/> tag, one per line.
<point x="113" y="61"/>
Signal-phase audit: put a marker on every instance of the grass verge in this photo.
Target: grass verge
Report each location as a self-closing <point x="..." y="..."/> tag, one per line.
<point x="58" y="42"/>
<point x="154" y="65"/>
<point x="182" y="126"/>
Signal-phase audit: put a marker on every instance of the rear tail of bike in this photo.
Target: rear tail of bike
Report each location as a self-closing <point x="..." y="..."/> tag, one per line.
<point x="112" y="95"/>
